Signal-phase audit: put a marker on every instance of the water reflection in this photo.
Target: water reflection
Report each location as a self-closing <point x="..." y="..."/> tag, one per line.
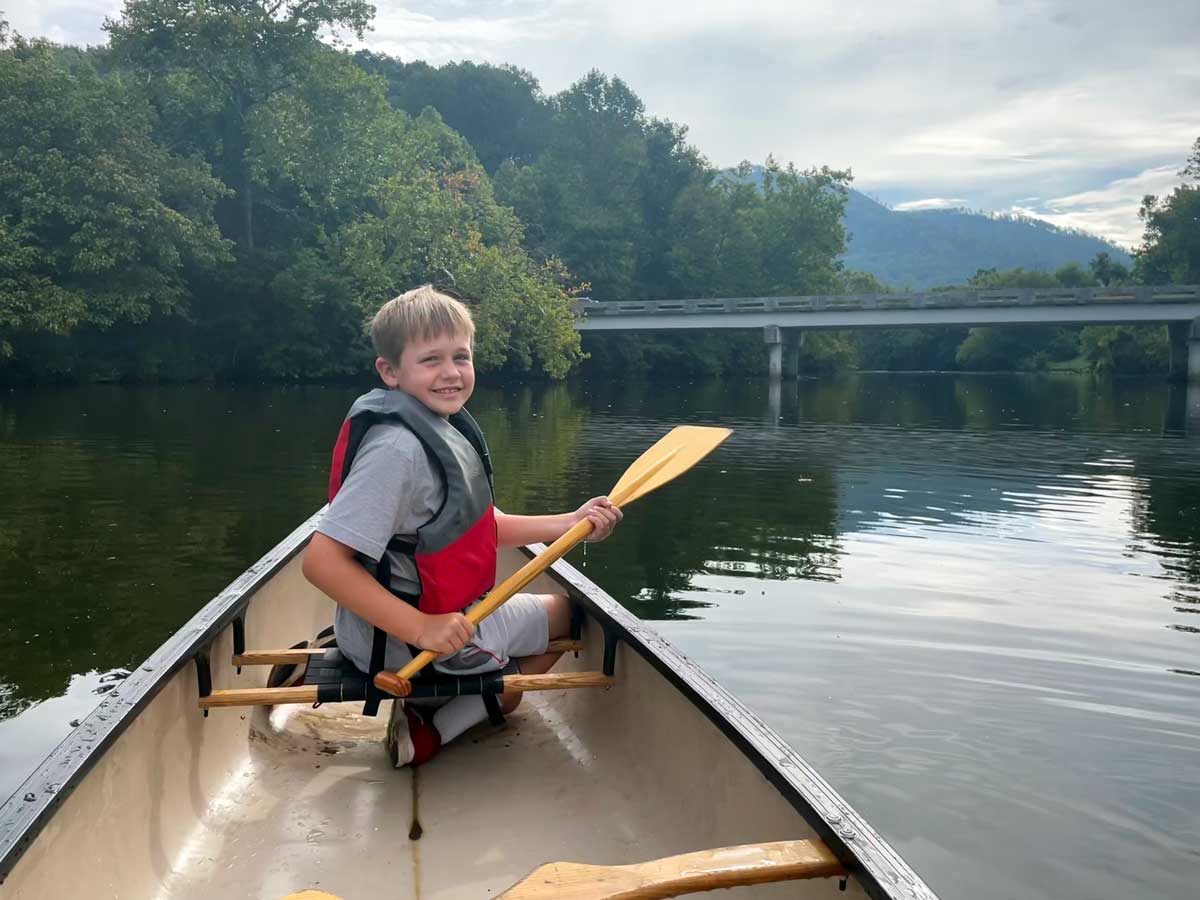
<point x="1182" y="414"/>
<point x="129" y="507"/>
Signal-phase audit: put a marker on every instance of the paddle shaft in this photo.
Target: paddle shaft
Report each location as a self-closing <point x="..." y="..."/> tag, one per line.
<point x="395" y="683"/>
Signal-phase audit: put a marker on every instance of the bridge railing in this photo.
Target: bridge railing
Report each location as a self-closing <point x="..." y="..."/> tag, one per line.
<point x="925" y="300"/>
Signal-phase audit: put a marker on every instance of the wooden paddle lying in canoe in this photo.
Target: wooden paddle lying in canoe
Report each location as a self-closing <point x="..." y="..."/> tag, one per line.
<point x="679" y="450"/>
<point x="689" y="873"/>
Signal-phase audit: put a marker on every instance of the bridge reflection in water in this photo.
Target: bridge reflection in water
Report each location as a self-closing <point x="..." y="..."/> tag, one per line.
<point x="1181" y="413"/>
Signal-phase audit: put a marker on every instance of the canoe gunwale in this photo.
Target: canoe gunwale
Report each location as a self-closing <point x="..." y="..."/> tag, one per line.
<point x="65" y="768"/>
<point x="881" y="871"/>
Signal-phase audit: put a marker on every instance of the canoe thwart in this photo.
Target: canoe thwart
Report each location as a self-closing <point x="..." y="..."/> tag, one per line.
<point x="688" y="873"/>
<point x="310" y="895"/>
<point x="355" y="689"/>
<point x="276" y="657"/>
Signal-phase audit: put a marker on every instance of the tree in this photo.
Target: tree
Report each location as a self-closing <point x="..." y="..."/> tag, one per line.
<point x="438" y="215"/>
<point x="582" y="199"/>
<point x="1170" y="248"/>
<point x="1124" y="348"/>
<point x="99" y="226"/>
<point x="1073" y="275"/>
<point x="672" y="167"/>
<point x="1019" y="347"/>
<point x="500" y="110"/>
<point x="220" y="62"/>
<point x="1107" y="272"/>
<point x="760" y="231"/>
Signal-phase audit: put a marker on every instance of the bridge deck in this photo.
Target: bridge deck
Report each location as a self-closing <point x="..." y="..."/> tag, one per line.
<point x="1169" y="303"/>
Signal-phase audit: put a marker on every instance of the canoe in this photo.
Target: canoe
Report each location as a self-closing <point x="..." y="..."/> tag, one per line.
<point x="654" y="781"/>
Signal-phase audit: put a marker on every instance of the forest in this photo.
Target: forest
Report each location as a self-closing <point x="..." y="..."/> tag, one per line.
<point x="219" y="192"/>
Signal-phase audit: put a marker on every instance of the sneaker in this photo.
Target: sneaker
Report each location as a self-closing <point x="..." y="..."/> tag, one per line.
<point x="412" y="738"/>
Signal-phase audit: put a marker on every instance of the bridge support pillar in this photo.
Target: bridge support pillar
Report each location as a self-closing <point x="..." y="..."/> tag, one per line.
<point x="793" y="340"/>
<point x="773" y="335"/>
<point x="1184" y="339"/>
<point x="783" y="351"/>
<point x="1183" y="408"/>
<point x="1193" y="366"/>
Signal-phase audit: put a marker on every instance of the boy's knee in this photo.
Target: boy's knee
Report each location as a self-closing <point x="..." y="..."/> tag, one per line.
<point x="509" y="702"/>
<point x="558" y="611"/>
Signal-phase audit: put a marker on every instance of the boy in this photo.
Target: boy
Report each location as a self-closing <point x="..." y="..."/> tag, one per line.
<point x="411" y="517"/>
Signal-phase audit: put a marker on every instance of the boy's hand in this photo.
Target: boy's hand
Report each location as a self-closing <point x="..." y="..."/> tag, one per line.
<point x="447" y="633"/>
<point x="603" y="515"/>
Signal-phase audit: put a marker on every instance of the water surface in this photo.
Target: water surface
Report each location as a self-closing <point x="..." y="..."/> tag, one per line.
<point x="970" y="602"/>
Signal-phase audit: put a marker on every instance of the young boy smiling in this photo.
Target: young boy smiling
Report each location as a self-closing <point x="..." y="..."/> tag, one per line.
<point x="410" y="519"/>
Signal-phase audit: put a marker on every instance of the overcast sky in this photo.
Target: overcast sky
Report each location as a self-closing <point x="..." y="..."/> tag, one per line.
<point x="1069" y="111"/>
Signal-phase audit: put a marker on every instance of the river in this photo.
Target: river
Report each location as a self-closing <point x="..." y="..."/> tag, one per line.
<point x="970" y="602"/>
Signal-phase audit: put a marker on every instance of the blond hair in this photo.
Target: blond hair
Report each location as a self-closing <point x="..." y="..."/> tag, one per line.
<point x="422" y="313"/>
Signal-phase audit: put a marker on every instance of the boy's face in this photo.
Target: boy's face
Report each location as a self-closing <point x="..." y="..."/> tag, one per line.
<point x="438" y="372"/>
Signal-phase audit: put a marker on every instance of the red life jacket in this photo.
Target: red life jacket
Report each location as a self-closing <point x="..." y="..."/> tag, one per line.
<point x="455" y="551"/>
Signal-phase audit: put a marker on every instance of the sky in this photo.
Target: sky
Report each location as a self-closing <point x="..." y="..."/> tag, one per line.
<point x="1066" y="111"/>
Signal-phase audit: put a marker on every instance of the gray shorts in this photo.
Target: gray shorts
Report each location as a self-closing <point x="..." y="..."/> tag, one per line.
<point x="519" y="628"/>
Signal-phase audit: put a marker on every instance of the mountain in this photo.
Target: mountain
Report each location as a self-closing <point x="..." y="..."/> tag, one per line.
<point x="925" y="248"/>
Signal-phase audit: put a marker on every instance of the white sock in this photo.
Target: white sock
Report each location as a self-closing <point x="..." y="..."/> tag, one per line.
<point x="457" y="716"/>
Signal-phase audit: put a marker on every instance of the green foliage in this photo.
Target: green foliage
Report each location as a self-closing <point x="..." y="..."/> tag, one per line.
<point x="825" y="352"/>
<point x="580" y="198"/>
<point x="910" y="349"/>
<point x="1020" y="347"/>
<point x="1107" y="272"/>
<point x="219" y="65"/>
<point x="780" y="236"/>
<point x="446" y="219"/>
<point x="1133" y="349"/>
<point x="330" y="201"/>
<point x="500" y="110"/>
<point x="99" y="225"/>
<point x="618" y="355"/>
<point x="1107" y="348"/>
<point x="852" y="282"/>
<point x="1170" y="249"/>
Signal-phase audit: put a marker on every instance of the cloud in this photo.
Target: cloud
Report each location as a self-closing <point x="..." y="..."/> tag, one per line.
<point x="62" y="21"/>
<point x="466" y="32"/>
<point x="931" y="203"/>
<point x="1111" y="210"/>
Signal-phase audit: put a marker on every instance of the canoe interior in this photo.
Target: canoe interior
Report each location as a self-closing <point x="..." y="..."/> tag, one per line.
<point x="258" y="803"/>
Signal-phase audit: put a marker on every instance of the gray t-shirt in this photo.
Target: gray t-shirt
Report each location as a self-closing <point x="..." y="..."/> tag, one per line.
<point x="392" y="489"/>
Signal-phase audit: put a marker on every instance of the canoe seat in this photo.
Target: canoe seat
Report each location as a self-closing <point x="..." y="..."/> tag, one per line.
<point x="329" y="677"/>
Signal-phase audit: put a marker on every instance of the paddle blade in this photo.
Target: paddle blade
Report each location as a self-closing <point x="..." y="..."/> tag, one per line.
<point x="674" y="876"/>
<point x="679" y="450"/>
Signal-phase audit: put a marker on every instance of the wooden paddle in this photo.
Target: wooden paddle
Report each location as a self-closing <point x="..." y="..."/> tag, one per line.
<point x="679" y="450"/>
<point x="688" y="873"/>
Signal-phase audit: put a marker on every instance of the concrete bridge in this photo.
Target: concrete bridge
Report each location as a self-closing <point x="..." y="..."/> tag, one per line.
<point x="784" y="320"/>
